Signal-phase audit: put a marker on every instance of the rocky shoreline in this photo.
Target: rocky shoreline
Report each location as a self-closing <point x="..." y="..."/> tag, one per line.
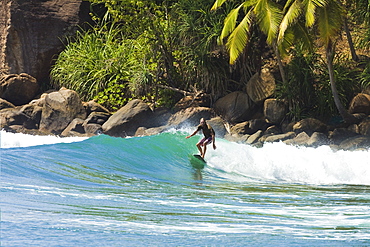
<point x="63" y="113"/>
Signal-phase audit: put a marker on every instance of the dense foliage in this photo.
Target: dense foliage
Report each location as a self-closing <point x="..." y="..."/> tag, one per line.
<point x="146" y="49"/>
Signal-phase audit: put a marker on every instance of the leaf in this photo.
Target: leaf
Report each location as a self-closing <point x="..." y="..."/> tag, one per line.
<point x="217" y="4"/>
<point x="230" y="22"/>
<point x="291" y="15"/>
<point x="330" y="19"/>
<point x="269" y="18"/>
<point x="238" y="39"/>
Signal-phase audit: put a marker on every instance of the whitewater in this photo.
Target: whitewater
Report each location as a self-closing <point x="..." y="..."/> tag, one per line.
<point x="147" y="191"/>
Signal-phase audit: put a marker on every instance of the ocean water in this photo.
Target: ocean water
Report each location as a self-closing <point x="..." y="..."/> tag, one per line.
<point x="148" y="191"/>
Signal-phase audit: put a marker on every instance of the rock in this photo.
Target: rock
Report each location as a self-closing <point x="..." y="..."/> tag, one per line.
<point x="239" y="129"/>
<point x="232" y="138"/>
<point x="93" y="129"/>
<point x="360" y="104"/>
<point x="273" y="130"/>
<point x="126" y="120"/>
<point x="309" y="125"/>
<point x="200" y="100"/>
<point x="301" y="139"/>
<point x="235" y="107"/>
<point x="317" y="139"/>
<point x="97" y="118"/>
<point x="18" y="89"/>
<point x="92" y="106"/>
<point x="31" y="33"/>
<point x="5" y="104"/>
<point x="261" y="86"/>
<point x="60" y="109"/>
<point x="354" y="143"/>
<point x="274" y="110"/>
<point x="340" y="134"/>
<point x="249" y="127"/>
<point x="281" y="137"/>
<point x="34" y="115"/>
<point x="142" y="131"/>
<point x="364" y="127"/>
<point x="161" y="116"/>
<point x="218" y="126"/>
<point x="190" y="117"/>
<point x="254" y="138"/>
<point x="257" y="124"/>
<point x="75" y="126"/>
<point x="12" y="116"/>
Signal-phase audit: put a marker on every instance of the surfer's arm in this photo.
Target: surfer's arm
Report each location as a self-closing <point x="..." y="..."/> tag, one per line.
<point x="196" y="131"/>
<point x="213" y="138"/>
<point x="214" y="141"/>
<point x="192" y="134"/>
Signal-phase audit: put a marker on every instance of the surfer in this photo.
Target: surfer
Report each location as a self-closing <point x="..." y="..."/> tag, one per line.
<point x="209" y="137"/>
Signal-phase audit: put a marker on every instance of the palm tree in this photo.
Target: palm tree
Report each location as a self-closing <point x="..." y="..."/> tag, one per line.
<point x="328" y="17"/>
<point x="266" y="13"/>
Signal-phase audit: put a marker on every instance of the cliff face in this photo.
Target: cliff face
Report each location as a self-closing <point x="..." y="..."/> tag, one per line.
<point x="31" y="33"/>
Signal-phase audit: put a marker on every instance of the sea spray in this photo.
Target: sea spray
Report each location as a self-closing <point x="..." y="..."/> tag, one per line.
<point x="279" y="162"/>
<point x="11" y="140"/>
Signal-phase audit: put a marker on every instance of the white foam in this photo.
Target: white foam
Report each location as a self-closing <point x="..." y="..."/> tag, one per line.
<point x="12" y="140"/>
<point x="285" y="163"/>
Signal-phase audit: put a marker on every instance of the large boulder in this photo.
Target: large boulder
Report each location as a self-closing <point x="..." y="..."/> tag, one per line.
<point x="189" y="117"/>
<point x="235" y="107"/>
<point x="128" y="119"/>
<point x="261" y="86"/>
<point x="18" y="89"/>
<point x="309" y="125"/>
<point x="59" y="109"/>
<point x="360" y="104"/>
<point x="31" y="33"/>
<point x="218" y="126"/>
<point x="274" y="110"/>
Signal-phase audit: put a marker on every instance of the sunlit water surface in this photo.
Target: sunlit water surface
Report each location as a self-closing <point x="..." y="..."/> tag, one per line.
<point x="149" y="191"/>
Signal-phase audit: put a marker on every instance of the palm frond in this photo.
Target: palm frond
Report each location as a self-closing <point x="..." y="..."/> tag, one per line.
<point x="217" y="4"/>
<point x="238" y="39"/>
<point x="331" y="20"/>
<point x="269" y="17"/>
<point x="310" y="9"/>
<point x="230" y="22"/>
<point x="293" y="11"/>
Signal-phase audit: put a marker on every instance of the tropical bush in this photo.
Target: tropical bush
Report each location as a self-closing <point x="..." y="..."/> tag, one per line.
<point x="308" y="90"/>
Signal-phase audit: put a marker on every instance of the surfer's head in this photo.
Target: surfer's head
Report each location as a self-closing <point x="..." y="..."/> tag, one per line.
<point x="202" y="121"/>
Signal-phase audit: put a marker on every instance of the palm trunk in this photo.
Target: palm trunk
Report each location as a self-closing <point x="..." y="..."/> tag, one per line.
<point x="350" y="41"/>
<point x="280" y="63"/>
<point x="348" y="118"/>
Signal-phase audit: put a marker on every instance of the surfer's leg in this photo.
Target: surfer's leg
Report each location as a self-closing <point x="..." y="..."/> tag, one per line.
<point x="205" y="143"/>
<point x="204" y="151"/>
<point x="199" y="144"/>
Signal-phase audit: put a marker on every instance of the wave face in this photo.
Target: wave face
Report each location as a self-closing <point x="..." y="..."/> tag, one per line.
<point x="150" y="191"/>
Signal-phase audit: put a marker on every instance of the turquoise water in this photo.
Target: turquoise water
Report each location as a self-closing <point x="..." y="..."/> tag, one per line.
<point x="147" y="191"/>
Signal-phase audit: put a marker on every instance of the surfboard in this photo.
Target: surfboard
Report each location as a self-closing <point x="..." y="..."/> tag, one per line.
<point x="197" y="161"/>
<point x="199" y="157"/>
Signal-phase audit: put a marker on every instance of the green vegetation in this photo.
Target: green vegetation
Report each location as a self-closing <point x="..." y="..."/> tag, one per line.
<point x="146" y="49"/>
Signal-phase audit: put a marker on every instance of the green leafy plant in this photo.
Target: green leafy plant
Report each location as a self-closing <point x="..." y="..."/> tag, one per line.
<point x="93" y="60"/>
